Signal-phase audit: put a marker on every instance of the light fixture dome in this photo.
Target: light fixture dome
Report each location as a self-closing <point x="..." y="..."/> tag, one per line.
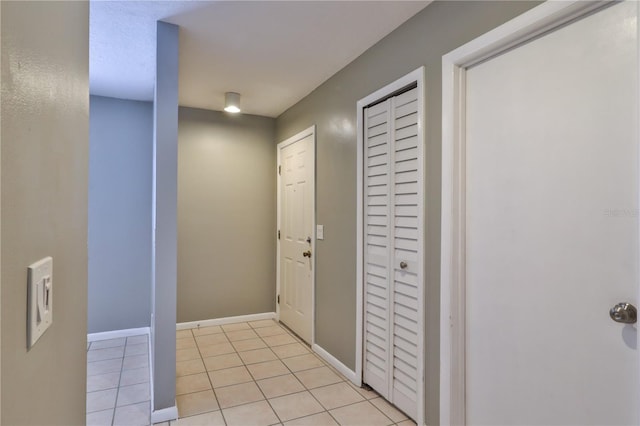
<point x="232" y="102"/>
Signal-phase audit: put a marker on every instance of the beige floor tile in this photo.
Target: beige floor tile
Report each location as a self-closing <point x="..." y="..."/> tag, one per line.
<point x="303" y="362"/>
<point x="211" y="339"/>
<point x="229" y="376"/>
<point x="234" y="336"/>
<point x="317" y="377"/>
<point x="217" y="349"/>
<point x="279" y="340"/>
<point x="192" y="383"/>
<point x="133" y="394"/>
<point x="181" y="334"/>
<point x="219" y="362"/>
<point x="389" y="410"/>
<point x="270" y="331"/>
<point x="196" y="403"/>
<point x="184" y="368"/>
<point x="247" y="345"/>
<point x="104" y="354"/>
<point x="213" y="418"/>
<point x="132" y="340"/>
<point x="103" y="381"/>
<point x="136" y="361"/>
<point x="133" y="415"/>
<point x="110" y="343"/>
<point x="280" y="385"/>
<point x="255" y="414"/>
<point x="366" y="393"/>
<point x="100" y="418"/>
<point x="295" y="405"/>
<point x="262" y="323"/>
<point x="293" y="349"/>
<point x="362" y="413"/>
<point x="336" y="395"/>
<point x="186" y="343"/>
<point x="243" y="393"/>
<point x="320" y="419"/>
<point x="187" y="354"/>
<point x="236" y="326"/>
<point x="104" y="367"/>
<point x="135" y="376"/>
<point x="137" y="349"/>
<point x="267" y="369"/>
<point x="258" y="355"/>
<point x="202" y="331"/>
<point x="101" y="400"/>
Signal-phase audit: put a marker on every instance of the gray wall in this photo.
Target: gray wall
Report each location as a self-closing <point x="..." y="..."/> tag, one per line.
<point x="226" y="215"/>
<point x="438" y="29"/>
<point x="120" y="154"/>
<point x="45" y="142"/>
<point x="164" y="205"/>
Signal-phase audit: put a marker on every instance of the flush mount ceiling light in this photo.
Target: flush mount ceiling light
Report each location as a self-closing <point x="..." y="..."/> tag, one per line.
<point x="232" y="102"/>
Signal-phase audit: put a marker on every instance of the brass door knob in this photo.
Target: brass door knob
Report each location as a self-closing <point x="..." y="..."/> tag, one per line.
<point x="307" y="254"/>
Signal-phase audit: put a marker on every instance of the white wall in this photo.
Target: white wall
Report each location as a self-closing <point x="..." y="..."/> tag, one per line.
<point x="120" y="156"/>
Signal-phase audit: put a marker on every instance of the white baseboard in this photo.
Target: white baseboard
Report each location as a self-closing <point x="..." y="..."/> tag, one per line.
<point x="115" y="334"/>
<point x="227" y="320"/>
<point x="164" y="415"/>
<point x="333" y="361"/>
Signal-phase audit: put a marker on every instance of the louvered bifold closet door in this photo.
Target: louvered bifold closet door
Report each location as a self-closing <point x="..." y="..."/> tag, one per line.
<point x="392" y="253"/>
<point x="407" y="264"/>
<point x="377" y="247"/>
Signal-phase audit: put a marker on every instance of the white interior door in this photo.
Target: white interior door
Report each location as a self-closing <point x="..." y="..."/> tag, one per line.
<point x="552" y="227"/>
<point x="296" y="234"/>
<point x="392" y="263"/>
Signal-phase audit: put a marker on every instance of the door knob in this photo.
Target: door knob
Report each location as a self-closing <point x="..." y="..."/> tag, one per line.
<point x="625" y="313"/>
<point x="307" y="254"/>
<point x="403" y="265"/>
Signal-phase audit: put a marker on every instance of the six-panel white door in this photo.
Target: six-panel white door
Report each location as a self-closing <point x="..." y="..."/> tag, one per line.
<point x="296" y="233"/>
<point x="552" y="227"/>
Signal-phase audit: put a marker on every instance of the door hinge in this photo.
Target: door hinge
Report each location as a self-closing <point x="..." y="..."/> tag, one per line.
<point x="278" y="234"/>
<point x="280" y="170"/>
<point x="278" y="299"/>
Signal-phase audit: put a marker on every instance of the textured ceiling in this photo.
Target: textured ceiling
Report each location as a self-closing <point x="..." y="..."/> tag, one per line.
<point x="272" y="52"/>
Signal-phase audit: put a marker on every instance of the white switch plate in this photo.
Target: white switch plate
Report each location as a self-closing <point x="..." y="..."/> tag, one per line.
<point x="40" y="299"/>
<point x="320" y="232"/>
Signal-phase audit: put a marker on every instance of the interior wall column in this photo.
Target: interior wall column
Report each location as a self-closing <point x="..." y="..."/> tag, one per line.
<point x="164" y="244"/>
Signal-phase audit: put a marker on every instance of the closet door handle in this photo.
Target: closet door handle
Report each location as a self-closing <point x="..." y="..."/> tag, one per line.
<point x="403" y="265"/>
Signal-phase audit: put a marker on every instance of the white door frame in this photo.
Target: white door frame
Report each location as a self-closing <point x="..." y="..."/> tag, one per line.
<point x="523" y="28"/>
<point x="417" y="76"/>
<point x="311" y="131"/>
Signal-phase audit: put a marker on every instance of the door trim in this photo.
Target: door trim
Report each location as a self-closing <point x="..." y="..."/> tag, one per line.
<point x="417" y="76"/>
<point x="526" y="27"/>
<point x="311" y="131"/>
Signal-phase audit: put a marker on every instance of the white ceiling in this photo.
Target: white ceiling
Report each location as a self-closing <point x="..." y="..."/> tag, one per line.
<point x="272" y="52"/>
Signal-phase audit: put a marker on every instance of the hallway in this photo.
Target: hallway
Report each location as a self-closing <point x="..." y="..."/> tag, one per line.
<point x="257" y="373"/>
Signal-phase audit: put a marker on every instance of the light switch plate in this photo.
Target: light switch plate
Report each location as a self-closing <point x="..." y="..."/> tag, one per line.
<point x="40" y="299"/>
<point x="320" y="232"/>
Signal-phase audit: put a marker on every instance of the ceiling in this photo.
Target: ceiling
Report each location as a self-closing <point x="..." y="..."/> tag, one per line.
<point x="272" y="52"/>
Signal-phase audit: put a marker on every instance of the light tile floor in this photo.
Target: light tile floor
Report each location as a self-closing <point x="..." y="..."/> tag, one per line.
<point x="118" y="382"/>
<point x="257" y="373"/>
